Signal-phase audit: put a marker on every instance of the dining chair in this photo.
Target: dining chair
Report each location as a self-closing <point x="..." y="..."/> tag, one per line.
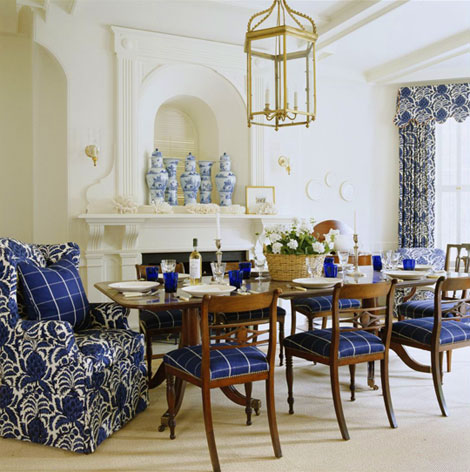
<point x="157" y="323"/>
<point x="228" y="355"/>
<point x="256" y="315"/>
<point x="343" y="345"/>
<point x="444" y="326"/>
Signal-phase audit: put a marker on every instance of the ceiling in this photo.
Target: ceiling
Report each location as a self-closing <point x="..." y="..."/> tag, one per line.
<point x="380" y="41"/>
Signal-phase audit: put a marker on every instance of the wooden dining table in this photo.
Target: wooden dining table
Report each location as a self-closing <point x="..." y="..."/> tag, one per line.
<point x="160" y="301"/>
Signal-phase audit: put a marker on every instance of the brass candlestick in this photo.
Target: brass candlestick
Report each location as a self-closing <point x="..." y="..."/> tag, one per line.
<point x="218" y="253"/>
<point x="356" y="272"/>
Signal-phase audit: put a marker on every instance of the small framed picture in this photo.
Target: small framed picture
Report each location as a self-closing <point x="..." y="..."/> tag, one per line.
<point x="257" y="195"/>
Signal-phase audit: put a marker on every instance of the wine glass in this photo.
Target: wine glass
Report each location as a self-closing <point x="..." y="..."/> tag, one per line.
<point x="260" y="262"/>
<point x="343" y="257"/>
<point x="395" y="259"/>
<point x="168" y="265"/>
<point x="387" y="257"/>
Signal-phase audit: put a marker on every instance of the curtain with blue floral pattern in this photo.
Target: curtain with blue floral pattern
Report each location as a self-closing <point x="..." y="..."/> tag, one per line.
<point x="418" y="110"/>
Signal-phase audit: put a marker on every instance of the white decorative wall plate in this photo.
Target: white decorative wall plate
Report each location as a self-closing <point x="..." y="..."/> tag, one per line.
<point x="330" y="179"/>
<point x="314" y="189"/>
<point x="346" y="191"/>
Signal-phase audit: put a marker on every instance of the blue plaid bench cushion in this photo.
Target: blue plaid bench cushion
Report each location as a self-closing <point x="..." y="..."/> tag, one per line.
<point x="224" y="363"/>
<point x="351" y="343"/>
<point x="252" y="315"/>
<point x="161" y="319"/>
<point x="421" y="308"/>
<point x="420" y="330"/>
<point x="320" y="304"/>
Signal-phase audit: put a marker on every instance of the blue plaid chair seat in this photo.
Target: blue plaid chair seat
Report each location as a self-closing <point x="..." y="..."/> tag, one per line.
<point x="420" y="330"/>
<point x="252" y="315"/>
<point x="351" y="343"/>
<point x="161" y="319"/>
<point x="320" y="304"/>
<point x="224" y="362"/>
<point x="106" y="347"/>
<point x="421" y="308"/>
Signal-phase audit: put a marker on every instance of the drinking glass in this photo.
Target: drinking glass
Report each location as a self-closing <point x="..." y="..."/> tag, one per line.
<point x="395" y="259"/>
<point x="235" y="278"/>
<point x="388" y="259"/>
<point x="343" y="257"/>
<point x="171" y="281"/>
<point x="168" y="265"/>
<point x="314" y="266"/>
<point x="409" y="264"/>
<point x="331" y="270"/>
<point x="260" y="262"/>
<point x="218" y="271"/>
<point x="151" y="272"/>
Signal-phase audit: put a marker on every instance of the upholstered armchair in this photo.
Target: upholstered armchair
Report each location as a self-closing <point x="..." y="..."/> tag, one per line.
<point x="62" y="386"/>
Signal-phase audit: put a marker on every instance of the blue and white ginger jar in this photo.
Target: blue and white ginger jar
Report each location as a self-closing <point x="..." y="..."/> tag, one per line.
<point x="171" y="192"/>
<point x="225" y="180"/>
<point x="190" y="180"/>
<point x="205" y="169"/>
<point x="157" y="178"/>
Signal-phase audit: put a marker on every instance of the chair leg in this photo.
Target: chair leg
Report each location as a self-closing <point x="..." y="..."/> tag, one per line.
<point x="441" y="366"/>
<point x="293" y="316"/>
<point x="170" y="398"/>
<point x="290" y="381"/>
<point x="324" y="322"/>
<point x="149" y="354"/>
<point x="206" y="407"/>
<point x="271" y="408"/>
<point x="386" y="392"/>
<point x="248" y="409"/>
<point x="449" y="360"/>
<point x="281" y="339"/>
<point x="436" y="378"/>
<point x="352" y="384"/>
<point x="334" y="378"/>
<point x="310" y="323"/>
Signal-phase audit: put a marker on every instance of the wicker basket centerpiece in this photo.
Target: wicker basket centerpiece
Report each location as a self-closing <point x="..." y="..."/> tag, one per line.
<point x="289" y="248"/>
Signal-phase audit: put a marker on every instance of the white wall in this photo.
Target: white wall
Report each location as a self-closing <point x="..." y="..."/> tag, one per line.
<point x="353" y="135"/>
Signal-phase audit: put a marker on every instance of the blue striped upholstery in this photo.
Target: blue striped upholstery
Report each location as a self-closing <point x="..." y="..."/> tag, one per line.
<point x="54" y="293"/>
<point x="252" y="315"/>
<point x="421" y="308"/>
<point x="351" y="343"/>
<point x="224" y="362"/>
<point x="420" y="330"/>
<point x="319" y="304"/>
<point x="161" y="319"/>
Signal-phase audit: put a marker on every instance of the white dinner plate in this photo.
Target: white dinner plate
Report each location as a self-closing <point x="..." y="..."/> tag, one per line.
<point x="406" y="274"/>
<point x="423" y="267"/>
<point x="134" y="286"/>
<point x="206" y="289"/>
<point x="180" y="276"/>
<point x="317" y="282"/>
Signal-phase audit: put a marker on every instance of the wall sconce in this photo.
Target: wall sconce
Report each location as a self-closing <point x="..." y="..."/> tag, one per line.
<point x="284" y="162"/>
<point x="92" y="151"/>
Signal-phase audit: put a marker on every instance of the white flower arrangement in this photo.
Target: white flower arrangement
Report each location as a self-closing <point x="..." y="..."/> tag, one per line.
<point x="298" y="238"/>
<point x="266" y="208"/>
<point x="162" y="208"/>
<point x="125" y="204"/>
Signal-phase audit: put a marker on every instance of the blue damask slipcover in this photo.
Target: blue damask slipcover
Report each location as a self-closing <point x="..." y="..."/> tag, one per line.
<point x="59" y="387"/>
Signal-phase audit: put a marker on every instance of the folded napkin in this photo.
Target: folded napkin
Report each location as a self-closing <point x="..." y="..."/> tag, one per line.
<point x="134" y="294"/>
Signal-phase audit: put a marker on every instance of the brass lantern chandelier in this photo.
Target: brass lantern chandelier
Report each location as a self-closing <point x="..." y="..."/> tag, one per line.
<point x="281" y="89"/>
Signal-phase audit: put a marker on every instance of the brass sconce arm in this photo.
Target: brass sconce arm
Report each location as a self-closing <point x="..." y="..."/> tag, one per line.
<point x="284" y="162"/>
<point x="92" y="151"/>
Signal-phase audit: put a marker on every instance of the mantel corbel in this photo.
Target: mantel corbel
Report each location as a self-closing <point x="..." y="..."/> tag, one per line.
<point x="130" y="237"/>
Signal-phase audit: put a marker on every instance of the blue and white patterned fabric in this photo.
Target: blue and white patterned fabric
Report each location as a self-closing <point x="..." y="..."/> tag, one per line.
<point x="161" y="319"/>
<point x="252" y="315"/>
<point x="420" y="330"/>
<point x="424" y="255"/>
<point x="425" y="103"/>
<point x="422" y="308"/>
<point x="351" y="343"/>
<point x="223" y="362"/>
<point x="321" y="304"/>
<point x="54" y="293"/>
<point x="59" y="387"/>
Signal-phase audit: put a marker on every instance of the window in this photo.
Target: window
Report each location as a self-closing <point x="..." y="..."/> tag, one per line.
<point x="452" y="183"/>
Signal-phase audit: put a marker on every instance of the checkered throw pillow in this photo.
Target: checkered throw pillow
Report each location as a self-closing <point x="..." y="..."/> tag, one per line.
<point x="54" y="292"/>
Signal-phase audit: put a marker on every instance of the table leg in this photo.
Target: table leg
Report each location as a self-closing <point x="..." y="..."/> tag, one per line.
<point x="237" y="397"/>
<point x="189" y="337"/>
<point x="409" y="361"/>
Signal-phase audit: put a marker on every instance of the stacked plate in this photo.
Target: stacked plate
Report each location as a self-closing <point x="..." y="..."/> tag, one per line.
<point x="406" y="274"/>
<point x="317" y="282"/>
<point x="208" y="289"/>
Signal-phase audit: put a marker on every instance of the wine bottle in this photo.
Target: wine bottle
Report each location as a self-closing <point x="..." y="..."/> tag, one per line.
<point x="195" y="265"/>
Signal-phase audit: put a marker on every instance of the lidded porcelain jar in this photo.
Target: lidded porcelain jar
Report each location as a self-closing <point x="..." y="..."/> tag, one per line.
<point x="205" y="169"/>
<point x="157" y="178"/>
<point x="225" y="180"/>
<point x="171" y="192"/>
<point x="190" y="180"/>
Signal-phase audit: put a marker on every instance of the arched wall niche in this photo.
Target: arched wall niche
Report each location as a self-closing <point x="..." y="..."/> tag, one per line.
<point x="214" y="105"/>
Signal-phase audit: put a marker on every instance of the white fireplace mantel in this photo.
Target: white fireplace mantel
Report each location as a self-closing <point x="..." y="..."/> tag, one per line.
<point x="116" y="242"/>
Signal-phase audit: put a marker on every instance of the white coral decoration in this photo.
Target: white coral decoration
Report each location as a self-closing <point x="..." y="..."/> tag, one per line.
<point x="162" y="207"/>
<point x="202" y="208"/>
<point x="125" y="204"/>
<point x="233" y="209"/>
<point x="266" y="208"/>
